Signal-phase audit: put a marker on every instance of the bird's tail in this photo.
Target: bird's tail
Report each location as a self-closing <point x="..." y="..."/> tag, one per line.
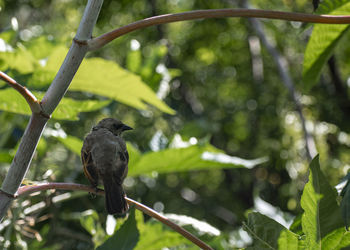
<point x="115" y="200"/>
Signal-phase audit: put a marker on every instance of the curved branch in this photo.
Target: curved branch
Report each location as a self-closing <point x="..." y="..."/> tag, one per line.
<point x="33" y="103"/>
<point x="102" y="40"/>
<point x="26" y="190"/>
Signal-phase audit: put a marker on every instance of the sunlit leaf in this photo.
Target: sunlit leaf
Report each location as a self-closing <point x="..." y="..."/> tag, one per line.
<point x="101" y="77"/>
<point x="322" y="42"/>
<point x="133" y="60"/>
<point x="41" y="47"/>
<point x="338" y="239"/>
<point x="68" y="109"/>
<point x="20" y="60"/>
<point x="269" y="234"/>
<point x="201" y="227"/>
<point x="196" y="157"/>
<point x="90" y="222"/>
<point x="125" y="238"/>
<point x="321" y="211"/>
<point x="155" y="236"/>
<point x="5" y="156"/>
<point x="12" y="101"/>
<point x="72" y="143"/>
<point x="106" y="78"/>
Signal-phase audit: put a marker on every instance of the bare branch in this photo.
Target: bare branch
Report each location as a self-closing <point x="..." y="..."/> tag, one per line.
<point x="102" y="40"/>
<point x="26" y="190"/>
<point x="21" y="162"/>
<point x="73" y="59"/>
<point x="28" y="96"/>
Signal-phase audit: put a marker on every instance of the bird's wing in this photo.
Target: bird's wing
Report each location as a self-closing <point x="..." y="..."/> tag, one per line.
<point x="89" y="166"/>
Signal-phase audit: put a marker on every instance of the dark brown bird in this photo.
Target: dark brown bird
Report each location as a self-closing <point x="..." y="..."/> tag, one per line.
<point x="105" y="159"/>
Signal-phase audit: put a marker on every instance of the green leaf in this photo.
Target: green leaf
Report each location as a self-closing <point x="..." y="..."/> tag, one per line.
<point x="90" y="221"/>
<point x="201" y="227"/>
<point x="296" y="225"/>
<point x="43" y="76"/>
<point x="154" y="236"/>
<point x="125" y="238"/>
<point x="320" y="47"/>
<point x="102" y="77"/>
<point x="196" y="157"/>
<point x="326" y="6"/>
<point x="20" y="60"/>
<point x="12" y="101"/>
<point x="321" y="211"/>
<point x="68" y="109"/>
<point x="5" y="156"/>
<point x="269" y="234"/>
<point x="133" y="60"/>
<point x="41" y="47"/>
<point x="338" y="239"/>
<point x="74" y="144"/>
<point x="106" y="78"/>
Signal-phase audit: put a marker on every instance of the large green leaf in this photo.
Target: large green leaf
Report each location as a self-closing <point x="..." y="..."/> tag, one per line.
<point x="68" y="109"/>
<point x="102" y="77"/>
<point x="321" y="211"/>
<point x="20" y="60"/>
<point x="106" y="78"/>
<point x="196" y="157"/>
<point x="338" y="239"/>
<point x="74" y="144"/>
<point x="269" y="234"/>
<point x="125" y="238"/>
<point x="154" y="236"/>
<point x="322" y="42"/>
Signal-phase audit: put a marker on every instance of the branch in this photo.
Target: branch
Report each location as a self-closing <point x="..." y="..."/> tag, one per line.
<point x="33" y="103"/>
<point x="73" y="59"/>
<point x="26" y="190"/>
<point x="21" y="162"/>
<point x="102" y="40"/>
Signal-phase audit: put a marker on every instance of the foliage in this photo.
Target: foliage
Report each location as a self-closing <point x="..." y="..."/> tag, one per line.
<point x="321" y="45"/>
<point x="211" y="132"/>
<point x="318" y="230"/>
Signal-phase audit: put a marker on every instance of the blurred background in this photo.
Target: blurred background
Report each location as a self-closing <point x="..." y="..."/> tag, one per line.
<point x="225" y="89"/>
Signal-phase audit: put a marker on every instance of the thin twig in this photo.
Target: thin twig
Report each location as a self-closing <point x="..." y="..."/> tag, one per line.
<point x="28" y="96"/>
<point x="26" y="190"/>
<point x="102" y="40"/>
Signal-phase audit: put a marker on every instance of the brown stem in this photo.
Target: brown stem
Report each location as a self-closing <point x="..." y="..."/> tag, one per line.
<point x="28" y="96"/>
<point x="102" y="40"/>
<point x="26" y="190"/>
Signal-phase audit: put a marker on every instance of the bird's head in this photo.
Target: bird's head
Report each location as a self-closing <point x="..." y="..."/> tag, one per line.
<point x="113" y="125"/>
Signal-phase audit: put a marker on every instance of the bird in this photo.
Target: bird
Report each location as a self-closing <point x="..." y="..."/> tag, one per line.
<point x="105" y="161"/>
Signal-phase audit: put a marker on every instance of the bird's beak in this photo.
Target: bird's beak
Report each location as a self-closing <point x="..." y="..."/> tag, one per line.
<point x="126" y="127"/>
